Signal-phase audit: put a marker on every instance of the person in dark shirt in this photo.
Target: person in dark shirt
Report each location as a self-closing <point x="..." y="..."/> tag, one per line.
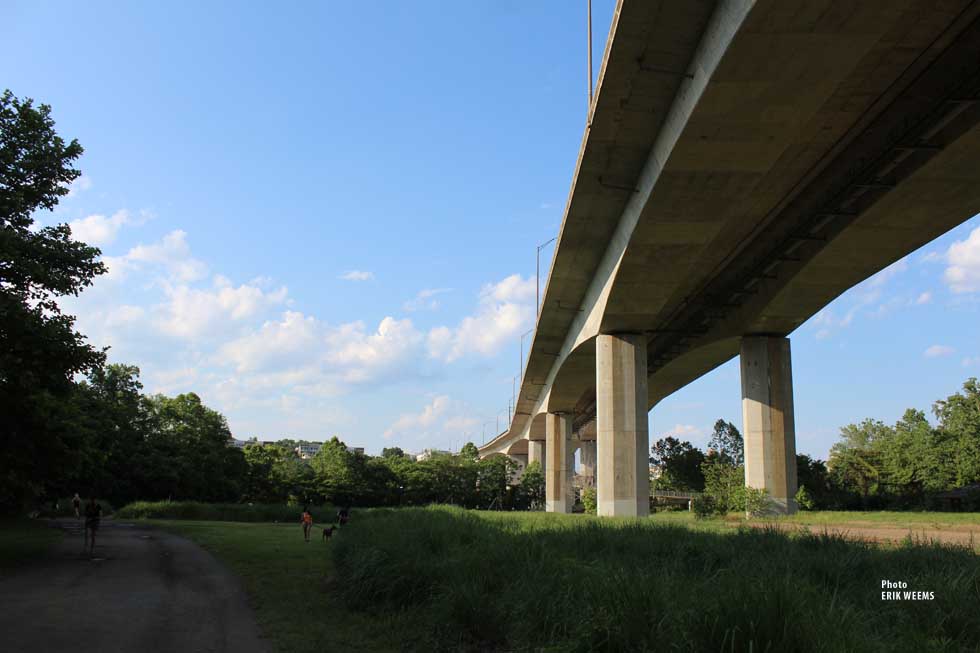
<point x="76" y="503"/>
<point x="93" y="514"/>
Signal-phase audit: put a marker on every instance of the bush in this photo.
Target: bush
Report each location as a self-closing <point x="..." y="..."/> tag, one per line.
<point x="704" y="505"/>
<point x="589" y="500"/>
<point x="757" y="502"/>
<point x="803" y="499"/>
<point x="243" y="512"/>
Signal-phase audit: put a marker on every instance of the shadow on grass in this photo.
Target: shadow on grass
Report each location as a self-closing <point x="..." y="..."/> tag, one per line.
<point x="526" y="582"/>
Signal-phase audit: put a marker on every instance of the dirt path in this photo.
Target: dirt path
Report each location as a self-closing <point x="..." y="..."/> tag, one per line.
<point x="951" y="534"/>
<point x="145" y="590"/>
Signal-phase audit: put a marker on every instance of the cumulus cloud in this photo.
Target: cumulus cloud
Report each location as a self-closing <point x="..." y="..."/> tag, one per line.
<point x="285" y="342"/>
<point x="505" y="309"/>
<point x="322" y="360"/>
<point x="423" y="420"/>
<point x="924" y="298"/>
<point x="172" y="254"/>
<point x="357" y="275"/>
<point x="963" y="258"/>
<point x="935" y="351"/>
<point x="684" y="431"/>
<point x="425" y="299"/>
<point x="366" y="356"/>
<point x="82" y="183"/>
<point x="99" y="230"/>
<point x="194" y="312"/>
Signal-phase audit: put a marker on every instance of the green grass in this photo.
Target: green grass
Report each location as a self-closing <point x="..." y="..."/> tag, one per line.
<point x="291" y="587"/>
<point x="887" y="518"/>
<point x="549" y="582"/>
<point x="22" y="539"/>
<point x="444" y="579"/>
<point x="240" y="512"/>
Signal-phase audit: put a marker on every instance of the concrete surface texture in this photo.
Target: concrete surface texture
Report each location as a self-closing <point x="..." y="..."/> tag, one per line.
<point x="144" y="590"/>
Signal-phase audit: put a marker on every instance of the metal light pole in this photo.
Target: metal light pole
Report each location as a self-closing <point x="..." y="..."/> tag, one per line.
<point x="537" y="275"/>
<point x="588" y="116"/>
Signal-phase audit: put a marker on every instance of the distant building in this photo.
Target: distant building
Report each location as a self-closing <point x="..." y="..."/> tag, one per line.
<point x="308" y="449"/>
<point x="359" y="450"/>
<point x="429" y="453"/>
<point x="238" y="444"/>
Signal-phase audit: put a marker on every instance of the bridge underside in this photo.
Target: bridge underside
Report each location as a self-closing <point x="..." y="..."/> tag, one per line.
<point x="802" y="148"/>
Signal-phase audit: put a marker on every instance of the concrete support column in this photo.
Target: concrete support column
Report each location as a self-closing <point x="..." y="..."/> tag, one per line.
<point x="622" y="438"/>
<point x="767" y="418"/>
<point x="535" y="452"/>
<point x="588" y="459"/>
<point x="558" y="435"/>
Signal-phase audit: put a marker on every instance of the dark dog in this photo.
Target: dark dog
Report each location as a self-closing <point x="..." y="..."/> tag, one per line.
<point x="328" y="532"/>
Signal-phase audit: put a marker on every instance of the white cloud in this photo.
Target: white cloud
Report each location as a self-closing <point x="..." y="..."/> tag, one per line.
<point x="430" y="413"/>
<point x="935" y="351"/>
<point x="970" y="361"/>
<point x="425" y="299"/>
<point x="505" y="309"/>
<point x="82" y="183"/>
<point x="319" y="360"/>
<point x="364" y="357"/>
<point x="681" y="431"/>
<point x="285" y="342"/>
<point x="924" y="298"/>
<point x="194" y="312"/>
<point x="172" y="254"/>
<point x="99" y="230"/>
<point x="357" y="275"/>
<point x="963" y="258"/>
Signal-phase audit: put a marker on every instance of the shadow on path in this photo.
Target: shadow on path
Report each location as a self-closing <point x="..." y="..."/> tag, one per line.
<point x="143" y="590"/>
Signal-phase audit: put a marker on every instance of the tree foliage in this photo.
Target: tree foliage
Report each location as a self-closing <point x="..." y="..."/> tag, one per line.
<point x="40" y="351"/>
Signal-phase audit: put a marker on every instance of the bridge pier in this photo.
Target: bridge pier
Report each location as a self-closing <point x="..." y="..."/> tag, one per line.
<point x="622" y="439"/>
<point x="535" y="452"/>
<point x="588" y="459"/>
<point x="558" y="436"/>
<point x="767" y="414"/>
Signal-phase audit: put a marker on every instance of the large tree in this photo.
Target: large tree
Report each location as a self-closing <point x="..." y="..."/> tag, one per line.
<point x="679" y="464"/>
<point x="40" y="351"/>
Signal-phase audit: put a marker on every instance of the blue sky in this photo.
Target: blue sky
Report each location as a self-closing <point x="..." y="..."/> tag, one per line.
<point x="322" y="218"/>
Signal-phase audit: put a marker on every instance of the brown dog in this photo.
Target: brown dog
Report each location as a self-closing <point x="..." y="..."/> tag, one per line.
<point x="328" y="532"/>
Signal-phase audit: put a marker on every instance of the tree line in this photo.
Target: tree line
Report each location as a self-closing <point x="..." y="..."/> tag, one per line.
<point x="873" y="466"/>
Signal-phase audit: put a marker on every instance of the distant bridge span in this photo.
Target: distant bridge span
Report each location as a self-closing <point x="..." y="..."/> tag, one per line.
<point x="745" y="164"/>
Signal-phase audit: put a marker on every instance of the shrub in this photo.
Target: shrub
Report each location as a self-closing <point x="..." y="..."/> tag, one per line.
<point x="757" y="502"/>
<point x="704" y="505"/>
<point x="589" y="500"/>
<point x="803" y="499"/>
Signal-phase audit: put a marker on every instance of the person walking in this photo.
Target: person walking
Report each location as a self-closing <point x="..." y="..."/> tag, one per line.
<point x="307" y="520"/>
<point x="76" y="502"/>
<point x="93" y="515"/>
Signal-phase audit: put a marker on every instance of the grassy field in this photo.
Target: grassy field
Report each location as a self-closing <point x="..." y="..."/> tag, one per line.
<point x="887" y="518"/>
<point x="448" y="579"/>
<point x="291" y="587"/>
<point x="22" y="539"/>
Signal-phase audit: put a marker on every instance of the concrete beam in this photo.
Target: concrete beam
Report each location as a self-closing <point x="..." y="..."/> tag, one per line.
<point x="622" y="432"/>
<point x="767" y="414"/>
<point x="558" y="435"/>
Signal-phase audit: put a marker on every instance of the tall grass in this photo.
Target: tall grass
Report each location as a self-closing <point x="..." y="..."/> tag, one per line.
<point x="242" y="512"/>
<point x="531" y="582"/>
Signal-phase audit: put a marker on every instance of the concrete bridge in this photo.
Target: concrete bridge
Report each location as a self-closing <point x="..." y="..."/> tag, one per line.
<point x="745" y="163"/>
